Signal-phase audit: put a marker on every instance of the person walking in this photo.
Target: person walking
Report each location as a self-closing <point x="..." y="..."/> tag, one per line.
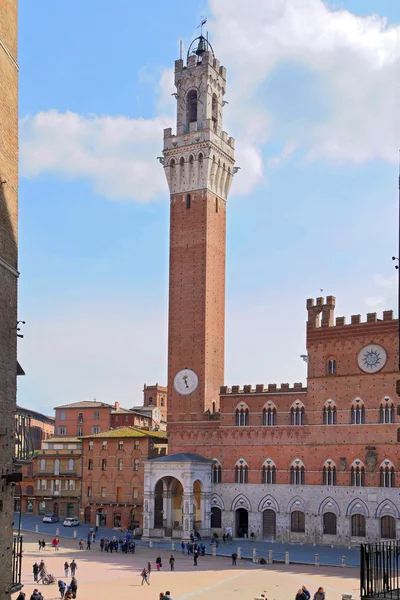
<point x="35" y="569"/>
<point x="22" y="596"/>
<point x="66" y="569"/>
<point x="167" y="596"/>
<point x="158" y="562"/>
<point x="36" y="595"/>
<point x="172" y="562"/>
<point x="40" y="545"/>
<point x="183" y="547"/>
<point x="149" y="569"/>
<point x="319" y="594"/>
<point x="234" y="558"/>
<point x="62" y="586"/>
<point x="81" y="544"/>
<point x="73" y="566"/>
<point x="195" y="557"/>
<point x="43" y="545"/>
<point x="88" y="544"/>
<point x="144" y="575"/>
<point x="74" y="587"/>
<point x="300" y="595"/>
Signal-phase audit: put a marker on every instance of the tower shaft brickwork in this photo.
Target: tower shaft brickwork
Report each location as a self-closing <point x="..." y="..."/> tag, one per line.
<point x="198" y="163"/>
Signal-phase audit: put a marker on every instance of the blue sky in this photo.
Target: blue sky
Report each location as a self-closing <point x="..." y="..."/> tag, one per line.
<point x="312" y="91"/>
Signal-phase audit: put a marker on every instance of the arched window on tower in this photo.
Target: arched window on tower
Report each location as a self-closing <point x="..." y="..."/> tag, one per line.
<point x="215" y="112"/>
<point x="331" y="366"/>
<point x="329" y="413"/>
<point x="358" y="412"/>
<point x="357" y="474"/>
<point x="269" y="414"/>
<point x="386" y="411"/>
<point x="241" y="472"/>
<point x="192" y="107"/>
<point x="188" y="201"/>
<point x="387" y="474"/>
<point x="216" y="472"/>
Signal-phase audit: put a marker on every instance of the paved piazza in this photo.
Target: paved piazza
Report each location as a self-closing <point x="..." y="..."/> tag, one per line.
<point x="117" y="576"/>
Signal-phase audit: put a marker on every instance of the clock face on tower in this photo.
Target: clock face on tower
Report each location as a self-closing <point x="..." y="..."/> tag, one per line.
<point x="372" y="358"/>
<point x="186" y="381"/>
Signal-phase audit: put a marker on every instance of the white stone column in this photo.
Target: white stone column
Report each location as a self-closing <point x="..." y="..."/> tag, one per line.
<point x="168" y="508"/>
<point x="187" y="513"/>
<point x="206" y="513"/>
<point x="148" y="513"/>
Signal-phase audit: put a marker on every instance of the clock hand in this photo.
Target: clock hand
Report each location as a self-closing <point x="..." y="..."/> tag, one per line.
<point x="185" y="380"/>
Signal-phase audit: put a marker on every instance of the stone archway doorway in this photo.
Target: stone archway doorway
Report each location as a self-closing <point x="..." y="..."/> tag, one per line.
<point x="242" y="522"/>
<point x="56" y="509"/>
<point x="86" y="515"/>
<point x="168" y="505"/>
<point x="269" y="524"/>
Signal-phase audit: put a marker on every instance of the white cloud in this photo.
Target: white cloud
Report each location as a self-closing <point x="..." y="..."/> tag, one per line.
<point x="117" y="154"/>
<point x="276" y="160"/>
<point x="356" y="59"/>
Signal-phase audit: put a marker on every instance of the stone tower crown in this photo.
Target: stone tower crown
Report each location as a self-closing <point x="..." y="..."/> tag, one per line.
<point x="200" y="155"/>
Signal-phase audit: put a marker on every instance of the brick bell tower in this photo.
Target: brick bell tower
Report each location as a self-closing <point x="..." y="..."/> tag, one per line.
<point x="199" y="167"/>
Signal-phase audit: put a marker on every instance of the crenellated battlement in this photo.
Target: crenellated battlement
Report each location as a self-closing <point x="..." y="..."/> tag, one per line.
<point x="321" y="314"/>
<point x="271" y="388"/>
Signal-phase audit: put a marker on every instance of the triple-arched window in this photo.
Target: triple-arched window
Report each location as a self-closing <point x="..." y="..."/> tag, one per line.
<point x="329" y="473"/>
<point x="386" y="411"/>
<point x="297" y="473"/>
<point x="242" y="416"/>
<point x="387" y="475"/>
<point x="358" y="412"/>
<point x="269" y="415"/>
<point x="241" y="472"/>
<point x="297" y="413"/>
<point x="268" y="472"/>
<point x="329" y="413"/>
<point x="357" y="474"/>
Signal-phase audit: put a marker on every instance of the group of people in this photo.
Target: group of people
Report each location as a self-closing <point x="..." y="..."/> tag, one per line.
<point x="36" y="595"/>
<point x="68" y="591"/>
<point x="304" y="594"/>
<point x="124" y="545"/>
<point x="193" y="548"/>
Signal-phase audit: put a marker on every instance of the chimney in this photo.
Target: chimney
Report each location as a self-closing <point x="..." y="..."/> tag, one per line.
<point x="117" y="406"/>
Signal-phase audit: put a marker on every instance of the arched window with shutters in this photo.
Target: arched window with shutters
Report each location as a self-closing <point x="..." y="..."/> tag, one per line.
<point x="358" y="412"/>
<point x="297" y="472"/>
<point x="357" y="473"/>
<point x="329" y="413"/>
<point x="358" y="525"/>
<point x="269" y="414"/>
<point x="386" y="411"/>
<point x="330" y="521"/>
<point x="388" y="527"/>
<point x="297" y="413"/>
<point x="241" y="471"/>
<point x="268" y="472"/>
<point x="297" y="521"/>
<point x="387" y="474"/>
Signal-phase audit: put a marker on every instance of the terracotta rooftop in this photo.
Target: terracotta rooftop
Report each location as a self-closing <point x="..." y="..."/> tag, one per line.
<point x="62" y="439"/>
<point x="85" y="404"/>
<point x="128" y="432"/>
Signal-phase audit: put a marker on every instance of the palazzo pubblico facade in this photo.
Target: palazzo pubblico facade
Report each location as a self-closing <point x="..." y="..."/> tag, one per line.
<point x="315" y="464"/>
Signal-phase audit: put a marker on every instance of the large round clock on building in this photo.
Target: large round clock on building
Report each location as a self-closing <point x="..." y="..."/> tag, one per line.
<point x="372" y="358"/>
<point x="186" y="381"/>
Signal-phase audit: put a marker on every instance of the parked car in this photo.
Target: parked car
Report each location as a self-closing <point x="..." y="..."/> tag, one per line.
<point x="50" y="519"/>
<point x="71" y="522"/>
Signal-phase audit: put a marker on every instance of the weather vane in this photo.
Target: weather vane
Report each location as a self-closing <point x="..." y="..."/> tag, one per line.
<point x="203" y="22"/>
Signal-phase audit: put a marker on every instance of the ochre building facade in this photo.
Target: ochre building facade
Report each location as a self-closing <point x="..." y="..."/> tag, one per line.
<point x="317" y="464"/>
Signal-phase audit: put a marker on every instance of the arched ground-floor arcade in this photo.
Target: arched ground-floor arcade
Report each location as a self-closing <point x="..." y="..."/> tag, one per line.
<point x="337" y="515"/>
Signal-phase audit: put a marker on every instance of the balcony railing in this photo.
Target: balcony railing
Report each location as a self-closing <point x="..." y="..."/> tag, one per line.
<point x="16" y="563"/>
<point x="379" y="570"/>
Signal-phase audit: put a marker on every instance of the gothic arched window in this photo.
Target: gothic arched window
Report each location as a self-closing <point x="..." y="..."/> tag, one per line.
<point x="329" y="413"/>
<point x="268" y="473"/>
<point x="331" y="366"/>
<point x="297" y="414"/>
<point x="329" y="473"/>
<point x="241" y="472"/>
<point x="242" y="417"/>
<point x="269" y="416"/>
<point x="192" y="106"/>
<point x="387" y="475"/>
<point x="216" y="473"/>
<point x="358" y="412"/>
<point x="357" y="474"/>
<point x="297" y="473"/>
<point x="386" y="411"/>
